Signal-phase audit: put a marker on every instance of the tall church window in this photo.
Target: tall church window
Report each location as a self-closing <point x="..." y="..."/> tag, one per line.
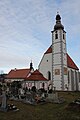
<point x="63" y="36"/>
<point x="49" y="75"/>
<point x="68" y="78"/>
<point x="79" y="76"/>
<point x="56" y="35"/>
<point x="43" y="85"/>
<point x="76" y="80"/>
<point x="72" y="80"/>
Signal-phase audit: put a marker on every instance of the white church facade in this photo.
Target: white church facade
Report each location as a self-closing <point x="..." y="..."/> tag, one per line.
<point x="56" y="65"/>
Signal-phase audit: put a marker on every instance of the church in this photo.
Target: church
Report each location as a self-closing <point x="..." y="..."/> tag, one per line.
<point x="56" y="69"/>
<point x="56" y="65"/>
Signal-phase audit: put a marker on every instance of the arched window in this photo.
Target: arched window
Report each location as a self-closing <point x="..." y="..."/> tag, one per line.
<point x="43" y="85"/>
<point x="49" y="75"/>
<point x="72" y="80"/>
<point x="63" y="36"/>
<point x="68" y="78"/>
<point x="79" y="76"/>
<point x="56" y="35"/>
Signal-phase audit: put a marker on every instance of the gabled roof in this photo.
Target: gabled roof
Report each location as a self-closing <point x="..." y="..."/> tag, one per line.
<point x="36" y="76"/>
<point x="18" y="74"/>
<point x="49" y="50"/>
<point x="70" y="62"/>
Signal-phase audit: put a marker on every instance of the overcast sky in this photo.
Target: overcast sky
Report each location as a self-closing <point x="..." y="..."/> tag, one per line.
<point x="25" y="30"/>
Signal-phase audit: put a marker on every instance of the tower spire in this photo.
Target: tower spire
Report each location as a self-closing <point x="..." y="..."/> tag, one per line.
<point x="31" y="65"/>
<point x="57" y="12"/>
<point x="58" y="24"/>
<point x="59" y="58"/>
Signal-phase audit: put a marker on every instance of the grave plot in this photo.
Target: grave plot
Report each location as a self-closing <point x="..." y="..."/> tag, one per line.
<point x="35" y="98"/>
<point x="54" y="98"/>
<point x="4" y="106"/>
<point x="74" y="105"/>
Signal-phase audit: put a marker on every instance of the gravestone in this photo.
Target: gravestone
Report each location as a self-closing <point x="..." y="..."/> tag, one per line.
<point x="52" y="97"/>
<point x="3" y="101"/>
<point x="30" y="98"/>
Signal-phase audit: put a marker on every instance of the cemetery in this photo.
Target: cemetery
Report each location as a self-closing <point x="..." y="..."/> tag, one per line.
<point x="29" y="96"/>
<point x="44" y="111"/>
<point x="38" y="104"/>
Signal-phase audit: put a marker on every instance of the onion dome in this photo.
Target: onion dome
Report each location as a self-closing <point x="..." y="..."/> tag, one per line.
<point x="58" y="23"/>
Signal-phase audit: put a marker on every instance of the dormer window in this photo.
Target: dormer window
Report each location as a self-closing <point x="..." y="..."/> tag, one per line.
<point x="56" y="35"/>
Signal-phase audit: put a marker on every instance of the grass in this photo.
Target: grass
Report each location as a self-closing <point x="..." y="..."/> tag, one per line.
<point x="47" y="111"/>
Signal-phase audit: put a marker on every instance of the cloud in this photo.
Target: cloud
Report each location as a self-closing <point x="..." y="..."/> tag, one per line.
<point x="25" y="29"/>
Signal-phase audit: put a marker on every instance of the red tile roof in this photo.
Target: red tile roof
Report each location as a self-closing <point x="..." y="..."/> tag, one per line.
<point x="70" y="62"/>
<point x="36" y="76"/>
<point x="18" y="73"/>
<point x="49" y="50"/>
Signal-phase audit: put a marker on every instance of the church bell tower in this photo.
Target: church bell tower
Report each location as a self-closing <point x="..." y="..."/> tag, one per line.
<point x="59" y="56"/>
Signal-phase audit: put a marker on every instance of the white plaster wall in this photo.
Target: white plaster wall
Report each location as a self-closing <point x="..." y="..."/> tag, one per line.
<point x="78" y="78"/>
<point x="65" y="59"/>
<point x="79" y="86"/>
<point x="64" y="47"/>
<point x="37" y="84"/>
<point x="11" y="80"/>
<point x="69" y="84"/>
<point x="57" y="84"/>
<point x="57" y="59"/>
<point x="57" y="48"/>
<point x="70" y="89"/>
<point x="46" y="65"/>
